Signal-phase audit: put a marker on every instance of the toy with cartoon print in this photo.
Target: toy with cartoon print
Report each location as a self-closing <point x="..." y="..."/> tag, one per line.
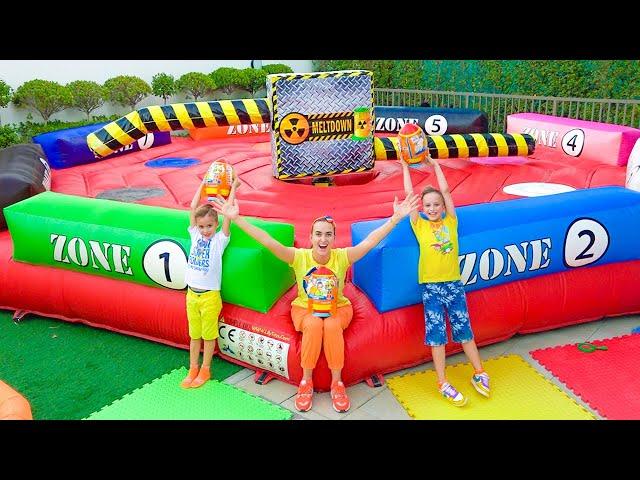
<point x="412" y="143"/>
<point x="321" y="286"/>
<point x="218" y="181"/>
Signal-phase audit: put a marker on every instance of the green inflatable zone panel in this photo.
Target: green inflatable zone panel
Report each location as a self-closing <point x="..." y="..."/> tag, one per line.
<point x="143" y="244"/>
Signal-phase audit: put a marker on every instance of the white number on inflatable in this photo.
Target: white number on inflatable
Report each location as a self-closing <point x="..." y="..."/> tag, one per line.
<point x="165" y="262"/>
<point x="586" y="242"/>
<point x="146" y="141"/>
<point x="435" y="125"/>
<point x="573" y="142"/>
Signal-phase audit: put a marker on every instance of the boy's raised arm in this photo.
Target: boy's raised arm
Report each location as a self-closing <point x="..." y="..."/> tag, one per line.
<point x="226" y="222"/>
<point x="443" y="186"/>
<point x="408" y="188"/>
<point x="232" y="212"/>
<point x="194" y="204"/>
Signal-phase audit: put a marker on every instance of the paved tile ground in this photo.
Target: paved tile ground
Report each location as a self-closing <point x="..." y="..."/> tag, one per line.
<point x="379" y="403"/>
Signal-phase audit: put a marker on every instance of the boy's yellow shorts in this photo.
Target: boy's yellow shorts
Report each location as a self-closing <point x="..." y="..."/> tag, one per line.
<point x="203" y="310"/>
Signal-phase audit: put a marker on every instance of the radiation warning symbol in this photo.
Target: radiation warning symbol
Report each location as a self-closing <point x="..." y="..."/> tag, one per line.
<point x="294" y="128"/>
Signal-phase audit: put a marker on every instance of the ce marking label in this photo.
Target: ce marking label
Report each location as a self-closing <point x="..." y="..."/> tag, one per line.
<point x="229" y="336"/>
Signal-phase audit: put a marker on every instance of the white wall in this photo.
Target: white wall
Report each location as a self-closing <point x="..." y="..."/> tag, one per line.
<point x="16" y="72"/>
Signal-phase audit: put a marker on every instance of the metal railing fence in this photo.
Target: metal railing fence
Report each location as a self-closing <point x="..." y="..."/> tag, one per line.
<point x="497" y="106"/>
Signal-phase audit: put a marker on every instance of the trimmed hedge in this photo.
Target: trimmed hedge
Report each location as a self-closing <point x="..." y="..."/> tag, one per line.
<point x="615" y="79"/>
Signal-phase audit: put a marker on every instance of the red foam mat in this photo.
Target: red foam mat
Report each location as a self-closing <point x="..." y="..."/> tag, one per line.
<point x="609" y="381"/>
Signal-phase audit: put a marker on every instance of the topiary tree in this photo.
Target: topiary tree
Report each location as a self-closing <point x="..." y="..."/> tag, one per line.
<point x="163" y="85"/>
<point x="44" y="96"/>
<point x="254" y="79"/>
<point x="227" y="79"/>
<point x="86" y="96"/>
<point x="127" y="90"/>
<point x="277" y="68"/>
<point x="197" y="84"/>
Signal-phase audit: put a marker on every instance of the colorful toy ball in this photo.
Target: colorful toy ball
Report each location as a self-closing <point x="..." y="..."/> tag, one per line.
<point x="217" y="181"/>
<point x="321" y="286"/>
<point x="413" y="144"/>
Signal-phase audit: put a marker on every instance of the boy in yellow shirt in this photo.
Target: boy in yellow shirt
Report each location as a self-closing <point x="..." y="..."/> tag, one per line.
<point x="440" y="282"/>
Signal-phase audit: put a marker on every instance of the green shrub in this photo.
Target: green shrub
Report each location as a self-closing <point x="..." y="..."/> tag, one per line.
<point x="86" y="96"/>
<point x="127" y="90"/>
<point x="29" y="129"/>
<point x="43" y="96"/>
<point x="273" y="68"/>
<point x="8" y="136"/>
<point x="5" y="94"/>
<point x="383" y="70"/>
<point x="163" y="85"/>
<point x="196" y="84"/>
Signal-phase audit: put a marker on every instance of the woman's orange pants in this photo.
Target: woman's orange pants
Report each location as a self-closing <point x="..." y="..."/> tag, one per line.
<point x="322" y="332"/>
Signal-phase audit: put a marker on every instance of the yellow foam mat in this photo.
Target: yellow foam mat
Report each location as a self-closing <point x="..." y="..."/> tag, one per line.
<point x="518" y="392"/>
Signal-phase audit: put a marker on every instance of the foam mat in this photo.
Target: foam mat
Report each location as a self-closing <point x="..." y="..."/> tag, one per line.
<point x="607" y="380"/>
<point x="518" y="392"/>
<point x="164" y="399"/>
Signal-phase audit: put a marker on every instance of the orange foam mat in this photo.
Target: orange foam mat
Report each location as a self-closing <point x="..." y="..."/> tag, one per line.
<point x="608" y="380"/>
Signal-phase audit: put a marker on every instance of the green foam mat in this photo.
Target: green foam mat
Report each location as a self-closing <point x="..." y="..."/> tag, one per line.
<point x="164" y="399"/>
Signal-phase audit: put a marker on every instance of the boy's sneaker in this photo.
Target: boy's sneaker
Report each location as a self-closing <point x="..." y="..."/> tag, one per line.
<point x="304" y="397"/>
<point x="204" y="375"/>
<point x="449" y="392"/>
<point x="191" y="376"/>
<point x="480" y="382"/>
<point x="339" y="398"/>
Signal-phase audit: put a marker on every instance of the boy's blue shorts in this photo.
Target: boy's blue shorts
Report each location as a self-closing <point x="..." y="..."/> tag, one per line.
<point x="449" y="296"/>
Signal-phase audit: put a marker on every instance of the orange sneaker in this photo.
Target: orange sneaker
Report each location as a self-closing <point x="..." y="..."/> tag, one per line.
<point x="202" y="378"/>
<point x="304" y="397"/>
<point x="339" y="398"/>
<point x="193" y="373"/>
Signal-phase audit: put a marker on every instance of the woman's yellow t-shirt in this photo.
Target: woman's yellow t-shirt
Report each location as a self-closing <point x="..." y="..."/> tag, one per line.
<point x="438" y="249"/>
<point x="303" y="262"/>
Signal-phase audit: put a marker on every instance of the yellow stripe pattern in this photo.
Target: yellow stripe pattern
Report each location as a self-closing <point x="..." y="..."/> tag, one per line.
<point x="177" y="116"/>
<point x="465" y="146"/>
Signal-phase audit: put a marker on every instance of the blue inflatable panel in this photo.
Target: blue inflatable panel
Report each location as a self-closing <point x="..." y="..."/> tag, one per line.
<point x="68" y="147"/>
<point x="507" y="241"/>
<point x="434" y="121"/>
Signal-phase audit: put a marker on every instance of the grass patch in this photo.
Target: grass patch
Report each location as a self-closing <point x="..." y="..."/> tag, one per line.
<point x="68" y="371"/>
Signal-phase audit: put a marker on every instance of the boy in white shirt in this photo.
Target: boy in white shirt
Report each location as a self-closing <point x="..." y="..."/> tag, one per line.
<point x="203" y="278"/>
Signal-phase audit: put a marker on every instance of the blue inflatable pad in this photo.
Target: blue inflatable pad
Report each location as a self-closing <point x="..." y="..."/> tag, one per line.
<point x="508" y="241"/>
<point x="68" y="147"/>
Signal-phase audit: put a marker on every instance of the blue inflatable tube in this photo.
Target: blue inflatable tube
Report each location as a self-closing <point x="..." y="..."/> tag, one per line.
<point x="434" y="121"/>
<point x="508" y="241"/>
<point x="68" y="147"/>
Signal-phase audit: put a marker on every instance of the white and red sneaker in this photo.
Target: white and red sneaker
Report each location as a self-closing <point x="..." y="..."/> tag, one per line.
<point x="304" y="397"/>
<point x="339" y="398"/>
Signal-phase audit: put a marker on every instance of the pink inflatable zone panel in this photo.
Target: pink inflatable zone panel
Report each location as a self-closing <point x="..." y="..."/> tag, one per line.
<point x="595" y="141"/>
